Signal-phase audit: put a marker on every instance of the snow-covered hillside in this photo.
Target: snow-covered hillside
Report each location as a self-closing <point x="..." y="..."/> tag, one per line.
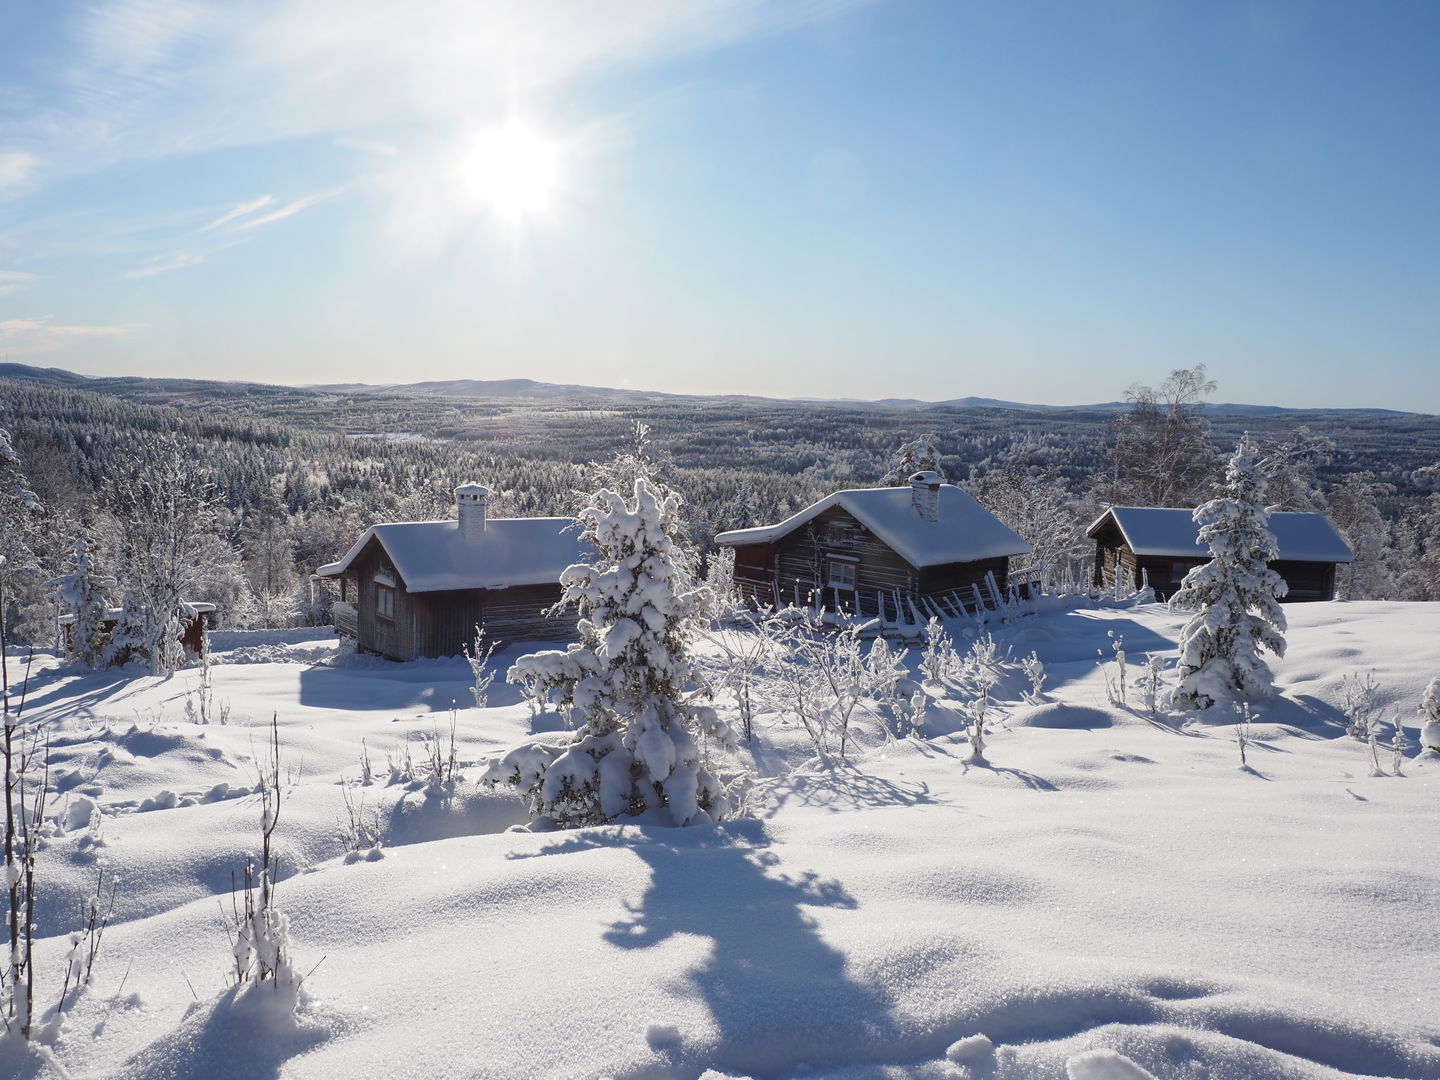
<point x="1109" y="896"/>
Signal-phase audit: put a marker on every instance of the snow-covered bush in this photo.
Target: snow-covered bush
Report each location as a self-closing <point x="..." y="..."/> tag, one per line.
<point x="260" y="945"/>
<point x="1430" y="717"/>
<point x="1114" y="686"/>
<point x="1034" y="669"/>
<point x="1357" y="702"/>
<point x="1149" y="682"/>
<point x="638" y="742"/>
<point x="1234" y="595"/>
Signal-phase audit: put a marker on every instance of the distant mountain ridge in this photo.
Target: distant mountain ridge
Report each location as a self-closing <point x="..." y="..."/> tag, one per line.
<point x="532" y="390"/>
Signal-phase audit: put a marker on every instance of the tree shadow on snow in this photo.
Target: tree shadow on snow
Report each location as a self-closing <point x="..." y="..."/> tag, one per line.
<point x="777" y="993"/>
<point x="840" y="787"/>
<point x="239" y="1036"/>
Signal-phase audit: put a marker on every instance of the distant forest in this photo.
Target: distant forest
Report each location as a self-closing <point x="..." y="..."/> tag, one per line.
<point x="282" y="480"/>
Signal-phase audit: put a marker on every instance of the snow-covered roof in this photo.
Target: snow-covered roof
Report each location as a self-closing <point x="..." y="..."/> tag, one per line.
<point x="963" y="532"/>
<point x="1151" y="530"/>
<point x="434" y="555"/>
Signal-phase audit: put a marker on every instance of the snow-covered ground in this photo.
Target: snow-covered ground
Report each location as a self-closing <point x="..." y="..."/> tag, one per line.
<point x="1111" y="896"/>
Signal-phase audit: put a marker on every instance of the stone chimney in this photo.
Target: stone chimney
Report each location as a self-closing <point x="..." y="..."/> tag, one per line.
<point x="925" y="495"/>
<point x="470" y="507"/>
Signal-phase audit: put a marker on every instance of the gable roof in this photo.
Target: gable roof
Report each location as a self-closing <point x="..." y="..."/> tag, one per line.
<point x="432" y="556"/>
<point x="1150" y="530"/>
<point x="964" y="532"/>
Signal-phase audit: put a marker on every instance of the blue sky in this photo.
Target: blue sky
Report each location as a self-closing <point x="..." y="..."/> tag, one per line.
<point x="922" y="198"/>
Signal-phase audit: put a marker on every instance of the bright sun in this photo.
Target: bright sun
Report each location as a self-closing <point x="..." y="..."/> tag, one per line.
<point x="512" y="169"/>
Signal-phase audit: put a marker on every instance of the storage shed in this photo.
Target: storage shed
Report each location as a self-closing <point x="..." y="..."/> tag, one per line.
<point x="1163" y="545"/>
<point x="411" y="589"/>
<point x="892" y="552"/>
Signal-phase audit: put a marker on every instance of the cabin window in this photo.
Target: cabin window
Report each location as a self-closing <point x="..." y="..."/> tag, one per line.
<point x="1178" y="570"/>
<point x="841" y="574"/>
<point x="384" y="601"/>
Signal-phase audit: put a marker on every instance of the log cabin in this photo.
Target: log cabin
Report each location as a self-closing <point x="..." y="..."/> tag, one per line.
<point x="412" y="589"/>
<point x="1161" y="545"/>
<point x="892" y="552"/>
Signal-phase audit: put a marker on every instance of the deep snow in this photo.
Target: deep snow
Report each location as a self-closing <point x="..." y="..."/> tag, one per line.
<point x="1111" y="896"/>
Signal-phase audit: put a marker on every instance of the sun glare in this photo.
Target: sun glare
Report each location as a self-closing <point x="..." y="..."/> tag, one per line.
<point x="512" y="170"/>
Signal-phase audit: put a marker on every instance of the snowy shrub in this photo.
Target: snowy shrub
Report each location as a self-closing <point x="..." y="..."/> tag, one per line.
<point x="478" y="655"/>
<point x="1398" y="745"/>
<point x="1234" y="596"/>
<point x="1244" y="718"/>
<point x="1149" y="682"/>
<point x="939" y="658"/>
<point x="887" y="679"/>
<point x="638" y="743"/>
<point x="1114" y="685"/>
<point x="1034" y="669"/>
<point x="1430" y="717"/>
<point x="260" y="944"/>
<point x="1357" y="702"/>
<point x="744" y="650"/>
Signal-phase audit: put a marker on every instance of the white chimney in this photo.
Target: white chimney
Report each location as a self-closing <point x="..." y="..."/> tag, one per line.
<point x="470" y="508"/>
<point x="925" y="495"/>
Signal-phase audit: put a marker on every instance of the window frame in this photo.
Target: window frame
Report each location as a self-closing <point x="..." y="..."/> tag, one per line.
<point x="384" y="598"/>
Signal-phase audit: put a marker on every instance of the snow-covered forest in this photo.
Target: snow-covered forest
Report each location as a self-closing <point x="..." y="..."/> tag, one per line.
<point x="279" y="481"/>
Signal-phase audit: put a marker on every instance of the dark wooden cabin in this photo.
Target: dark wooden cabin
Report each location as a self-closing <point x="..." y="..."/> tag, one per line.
<point x="893" y="552"/>
<point x="1161" y="545"/>
<point x="412" y="589"/>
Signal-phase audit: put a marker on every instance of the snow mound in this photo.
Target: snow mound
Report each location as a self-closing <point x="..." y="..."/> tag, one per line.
<point x="1104" y="1065"/>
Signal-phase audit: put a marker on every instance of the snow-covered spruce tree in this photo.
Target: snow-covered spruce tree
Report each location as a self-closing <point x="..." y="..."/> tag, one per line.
<point x="918" y="455"/>
<point x="1234" y="595"/>
<point x="82" y="593"/>
<point x="637" y="746"/>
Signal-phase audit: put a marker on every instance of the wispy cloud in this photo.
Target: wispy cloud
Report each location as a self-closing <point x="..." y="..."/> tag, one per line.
<point x="163" y="264"/>
<point x="288" y="210"/>
<point x="16" y="167"/>
<point x="236" y="212"/>
<point x="20" y="337"/>
<point x="12" y="281"/>
<point x="149" y="77"/>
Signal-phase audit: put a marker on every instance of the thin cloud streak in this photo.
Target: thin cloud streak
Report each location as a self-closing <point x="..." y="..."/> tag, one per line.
<point x="22" y="337"/>
<point x="164" y="264"/>
<point x="12" y="281"/>
<point x="236" y="212"/>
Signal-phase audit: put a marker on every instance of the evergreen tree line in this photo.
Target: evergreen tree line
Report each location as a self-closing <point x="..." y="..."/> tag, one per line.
<point x="256" y="504"/>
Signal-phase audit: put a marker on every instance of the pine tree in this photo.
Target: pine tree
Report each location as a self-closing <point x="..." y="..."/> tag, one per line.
<point x="638" y="743"/>
<point x="1234" y="595"/>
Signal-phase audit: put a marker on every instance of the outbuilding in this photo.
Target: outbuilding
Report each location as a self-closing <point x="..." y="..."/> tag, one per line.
<point x="892" y="552"/>
<point x="1160" y="545"/>
<point x="411" y="589"/>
